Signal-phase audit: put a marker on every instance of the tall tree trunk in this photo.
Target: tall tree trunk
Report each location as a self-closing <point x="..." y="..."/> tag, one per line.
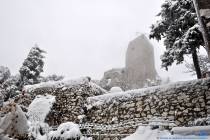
<point x="196" y="64"/>
<point x="203" y="4"/>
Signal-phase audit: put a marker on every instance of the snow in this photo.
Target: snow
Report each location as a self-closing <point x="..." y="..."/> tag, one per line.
<point x="14" y="122"/>
<point x="109" y="82"/>
<point x="146" y="133"/>
<point x="56" y="84"/>
<point x="40" y="107"/>
<point x="205" y="13"/>
<point x="115" y="89"/>
<point x="195" y="130"/>
<point x="38" y="130"/>
<point x="64" y="84"/>
<point x="66" y="131"/>
<point x="97" y="87"/>
<point x="131" y="94"/>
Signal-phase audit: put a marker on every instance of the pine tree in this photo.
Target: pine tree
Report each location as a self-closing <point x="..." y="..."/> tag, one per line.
<point x="179" y="29"/>
<point x="4" y="74"/>
<point x="32" y="67"/>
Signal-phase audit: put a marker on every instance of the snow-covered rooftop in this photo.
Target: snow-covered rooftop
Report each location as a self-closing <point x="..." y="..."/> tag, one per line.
<point x="131" y="94"/>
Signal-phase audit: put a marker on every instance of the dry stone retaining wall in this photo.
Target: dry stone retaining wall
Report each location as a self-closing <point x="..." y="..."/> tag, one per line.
<point x="183" y="102"/>
<point x="70" y="98"/>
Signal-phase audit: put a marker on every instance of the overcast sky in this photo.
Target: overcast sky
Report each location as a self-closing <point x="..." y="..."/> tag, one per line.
<point x="81" y="37"/>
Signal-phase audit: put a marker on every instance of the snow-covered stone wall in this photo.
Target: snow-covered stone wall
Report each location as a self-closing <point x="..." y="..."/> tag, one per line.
<point x="83" y="100"/>
<point x="70" y="97"/>
<point x="182" y="102"/>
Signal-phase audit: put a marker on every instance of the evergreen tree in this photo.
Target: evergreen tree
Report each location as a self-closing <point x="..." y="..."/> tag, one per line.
<point x="181" y="34"/>
<point x="4" y="74"/>
<point x="32" y="67"/>
<point x="10" y="87"/>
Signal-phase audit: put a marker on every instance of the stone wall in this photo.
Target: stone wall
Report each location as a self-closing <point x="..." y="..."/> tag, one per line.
<point x="183" y="102"/>
<point x="70" y="98"/>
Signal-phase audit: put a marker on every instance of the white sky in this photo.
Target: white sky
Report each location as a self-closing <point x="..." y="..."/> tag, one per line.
<point x="81" y="37"/>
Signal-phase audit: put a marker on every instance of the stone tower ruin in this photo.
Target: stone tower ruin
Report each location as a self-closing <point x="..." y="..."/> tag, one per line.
<point x="139" y="67"/>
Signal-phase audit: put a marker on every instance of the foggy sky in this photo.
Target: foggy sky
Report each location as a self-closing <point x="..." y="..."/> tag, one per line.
<point x="81" y="37"/>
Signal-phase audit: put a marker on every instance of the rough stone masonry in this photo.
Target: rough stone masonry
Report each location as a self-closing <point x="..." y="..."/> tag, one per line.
<point x="182" y="101"/>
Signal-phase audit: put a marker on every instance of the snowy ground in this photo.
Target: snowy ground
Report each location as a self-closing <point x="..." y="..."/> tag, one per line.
<point x="145" y="133"/>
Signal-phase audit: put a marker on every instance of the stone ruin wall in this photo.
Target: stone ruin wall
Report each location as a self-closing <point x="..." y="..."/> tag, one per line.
<point x="70" y="101"/>
<point x="181" y="102"/>
<point x="184" y="102"/>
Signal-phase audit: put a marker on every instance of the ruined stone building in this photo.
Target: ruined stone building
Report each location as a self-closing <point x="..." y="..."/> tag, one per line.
<point x="139" y="67"/>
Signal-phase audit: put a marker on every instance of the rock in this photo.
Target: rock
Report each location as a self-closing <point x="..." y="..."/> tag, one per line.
<point x="197" y="109"/>
<point x="153" y="111"/>
<point x="147" y="108"/>
<point x="181" y="119"/>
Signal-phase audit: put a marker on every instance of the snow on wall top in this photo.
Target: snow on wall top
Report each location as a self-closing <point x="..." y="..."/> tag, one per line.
<point x="63" y="84"/>
<point x="40" y="107"/>
<point x="131" y="94"/>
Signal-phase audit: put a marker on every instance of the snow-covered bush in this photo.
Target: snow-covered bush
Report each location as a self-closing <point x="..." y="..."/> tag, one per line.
<point x="4" y="74"/>
<point x="38" y="129"/>
<point x="66" y="131"/>
<point x="11" y="87"/>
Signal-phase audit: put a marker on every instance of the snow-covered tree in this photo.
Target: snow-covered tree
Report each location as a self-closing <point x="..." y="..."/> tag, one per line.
<point x="181" y="34"/>
<point x="32" y="67"/>
<point x="204" y="65"/>
<point x="10" y="86"/>
<point x="4" y="74"/>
